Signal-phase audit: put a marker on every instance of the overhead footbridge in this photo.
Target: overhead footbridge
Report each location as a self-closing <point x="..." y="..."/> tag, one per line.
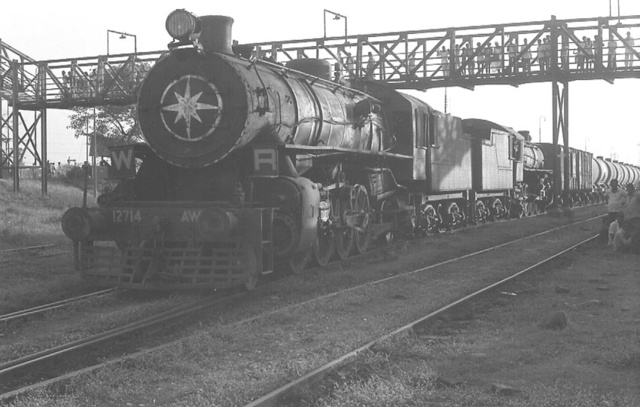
<point x="554" y="51"/>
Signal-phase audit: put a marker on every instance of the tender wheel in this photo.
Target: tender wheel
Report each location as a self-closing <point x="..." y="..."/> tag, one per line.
<point x="431" y="218"/>
<point x="455" y="215"/>
<point x="497" y="210"/>
<point x="343" y="234"/>
<point x="361" y="206"/>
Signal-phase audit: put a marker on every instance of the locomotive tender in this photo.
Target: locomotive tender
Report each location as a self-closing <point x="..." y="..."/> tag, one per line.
<point x="251" y="166"/>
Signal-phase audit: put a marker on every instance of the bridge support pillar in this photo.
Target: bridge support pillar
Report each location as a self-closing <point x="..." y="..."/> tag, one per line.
<point x="561" y="184"/>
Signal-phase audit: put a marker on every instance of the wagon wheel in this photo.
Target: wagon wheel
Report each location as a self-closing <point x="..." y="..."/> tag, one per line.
<point x="325" y="246"/>
<point x="455" y="215"/>
<point x="390" y="204"/>
<point x="430" y="216"/>
<point x="497" y="210"/>
<point x="361" y="206"/>
<point x="481" y="212"/>
<point x="249" y="265"/>
<point x="343" y="235"/>
<point x="443" y="222"/>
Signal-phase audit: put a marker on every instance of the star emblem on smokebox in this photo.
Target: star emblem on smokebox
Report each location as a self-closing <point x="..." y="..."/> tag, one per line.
<point x="191" y="108"/>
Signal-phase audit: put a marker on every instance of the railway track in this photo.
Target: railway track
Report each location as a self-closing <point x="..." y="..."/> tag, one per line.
<point x="16" y="373"/>
<point x="277" y="396"/>
<point x="54" y="305"/>
<point x="26" y="248"/>
<point x="24" y="365"/>
<point x="34" y="252"/>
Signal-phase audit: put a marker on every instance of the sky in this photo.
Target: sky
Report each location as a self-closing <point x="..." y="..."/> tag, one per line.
<point x="602" y="117"/>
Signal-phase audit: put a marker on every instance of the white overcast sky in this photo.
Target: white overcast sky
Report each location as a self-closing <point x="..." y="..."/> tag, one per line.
<point x="602" y="116"/>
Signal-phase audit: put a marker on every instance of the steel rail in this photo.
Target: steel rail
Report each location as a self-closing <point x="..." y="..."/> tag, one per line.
<point x="54" y="305"/>
<point x="272" y="398"/>
<point x="40" y="256"/>
<point x="19" y="249"/>
<point x="42" y="356"/>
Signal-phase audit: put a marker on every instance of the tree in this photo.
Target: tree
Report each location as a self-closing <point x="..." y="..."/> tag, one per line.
<point x="117" y="122"/>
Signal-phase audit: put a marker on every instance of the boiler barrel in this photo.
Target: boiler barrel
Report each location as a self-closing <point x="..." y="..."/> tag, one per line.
<point x="533" y="158"/>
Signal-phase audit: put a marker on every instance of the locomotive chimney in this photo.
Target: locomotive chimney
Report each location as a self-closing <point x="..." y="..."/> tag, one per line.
<point x="216" y="34"/>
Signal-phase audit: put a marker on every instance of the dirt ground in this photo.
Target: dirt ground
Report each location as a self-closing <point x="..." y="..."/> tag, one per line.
<point x="568" y="337"/>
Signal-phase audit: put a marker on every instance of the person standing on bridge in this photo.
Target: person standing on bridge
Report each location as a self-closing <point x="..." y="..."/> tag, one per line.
<point x="540" y="55"/>
<point x="480" y="59"/>
<point x="512" y="49"/>
<point x="350" y="66"/>
<point x="526" y="57"/>
<point x="612" y="44"/>
<point x="588" y="57"/>
<point x="488" y="56"/>
<point x="371" y="66"/>
<point x="628" y="50"/>
<point x="496" y="60"/>
<point x="546" y="44"/>
<point x="467" y="54"/>
<point x="444" y="61"/>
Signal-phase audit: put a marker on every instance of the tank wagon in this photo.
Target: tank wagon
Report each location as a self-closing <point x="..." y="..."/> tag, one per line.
<point x="250" y="166"/>
<point x="604" y="170"/>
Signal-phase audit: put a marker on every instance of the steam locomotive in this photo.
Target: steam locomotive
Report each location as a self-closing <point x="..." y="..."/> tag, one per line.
<point x="251" y="166"/>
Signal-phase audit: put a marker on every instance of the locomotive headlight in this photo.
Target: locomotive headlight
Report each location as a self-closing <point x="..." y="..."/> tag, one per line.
<point x="181" y="24"/>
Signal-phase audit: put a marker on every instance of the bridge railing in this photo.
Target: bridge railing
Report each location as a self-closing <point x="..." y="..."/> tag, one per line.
<point x="510" y="53"/>
<point x="89" y="81"/>
<point x="424" y="57"/>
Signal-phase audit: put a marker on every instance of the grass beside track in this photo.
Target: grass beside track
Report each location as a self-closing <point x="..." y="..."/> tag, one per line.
<point x="498" y="352"/>
<point x="28" y="219"/>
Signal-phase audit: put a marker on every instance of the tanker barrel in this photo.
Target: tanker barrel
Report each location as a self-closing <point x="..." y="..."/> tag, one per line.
<point x="80" y="223"/>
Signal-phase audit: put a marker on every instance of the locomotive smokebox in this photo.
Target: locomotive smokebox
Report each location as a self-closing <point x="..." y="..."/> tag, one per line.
<point x="216" y="34"/>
